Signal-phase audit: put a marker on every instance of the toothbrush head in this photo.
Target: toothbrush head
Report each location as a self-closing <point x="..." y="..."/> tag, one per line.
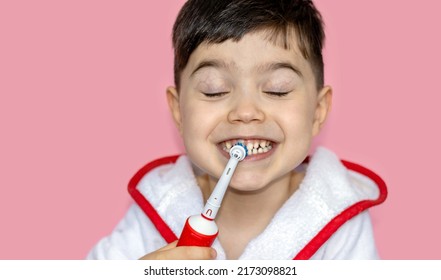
<point x="239" y="151"/>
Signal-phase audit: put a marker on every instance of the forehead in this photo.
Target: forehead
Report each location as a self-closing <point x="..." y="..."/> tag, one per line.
<point x="255" y="52"/>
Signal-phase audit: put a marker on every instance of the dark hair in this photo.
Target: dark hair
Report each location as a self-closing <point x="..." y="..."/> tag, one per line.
<point x="215" y="21"/>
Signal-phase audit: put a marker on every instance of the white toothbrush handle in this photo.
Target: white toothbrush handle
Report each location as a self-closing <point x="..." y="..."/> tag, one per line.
<point x="214" y="201"/>
<point x="201" y="230"/>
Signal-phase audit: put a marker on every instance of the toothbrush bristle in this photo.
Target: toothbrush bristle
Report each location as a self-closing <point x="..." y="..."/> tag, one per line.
<point x="242" y="145"/>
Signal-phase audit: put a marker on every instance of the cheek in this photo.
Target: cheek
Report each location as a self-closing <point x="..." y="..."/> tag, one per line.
<point x="198" y="121"/>
<point x="296" y="122"/>
<point x="295" y="118"/>
<point x="189" y="120"/>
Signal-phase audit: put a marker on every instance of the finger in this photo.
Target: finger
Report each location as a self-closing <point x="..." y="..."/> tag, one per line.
<point x="182" y="253"/>
<point x="190" y="253"/>
<point x="169" y="246"/>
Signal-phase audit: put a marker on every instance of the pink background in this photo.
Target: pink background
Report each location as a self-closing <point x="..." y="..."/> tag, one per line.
<point x="82" y="107"/>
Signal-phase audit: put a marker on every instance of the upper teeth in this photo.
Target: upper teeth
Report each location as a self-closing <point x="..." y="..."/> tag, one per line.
<point x="253" y="146"/>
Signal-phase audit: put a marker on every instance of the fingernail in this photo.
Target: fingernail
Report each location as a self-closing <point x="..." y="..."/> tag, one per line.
<point x="213" y="254"/>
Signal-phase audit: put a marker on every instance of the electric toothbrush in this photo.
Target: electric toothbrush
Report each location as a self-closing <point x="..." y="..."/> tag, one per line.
<point x="201" y="230"/>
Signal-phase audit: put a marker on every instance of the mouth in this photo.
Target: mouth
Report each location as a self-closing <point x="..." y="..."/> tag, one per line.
<point x="255" y="147"/>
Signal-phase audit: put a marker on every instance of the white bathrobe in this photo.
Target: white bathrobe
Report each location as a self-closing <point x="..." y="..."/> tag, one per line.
<point x="326" y="218"/>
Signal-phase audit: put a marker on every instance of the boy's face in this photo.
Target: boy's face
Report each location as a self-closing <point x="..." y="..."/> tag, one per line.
<point x="250" y="90"/>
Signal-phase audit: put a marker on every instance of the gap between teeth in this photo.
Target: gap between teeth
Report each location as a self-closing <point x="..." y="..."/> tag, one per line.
<point x="254" y="146"/>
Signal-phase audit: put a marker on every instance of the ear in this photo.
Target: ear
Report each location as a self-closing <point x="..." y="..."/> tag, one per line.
<point x="324" y="102"/>
<point x="173" y="105"/>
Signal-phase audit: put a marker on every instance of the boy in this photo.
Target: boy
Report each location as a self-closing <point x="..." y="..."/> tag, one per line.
<point x="250" y="70"/>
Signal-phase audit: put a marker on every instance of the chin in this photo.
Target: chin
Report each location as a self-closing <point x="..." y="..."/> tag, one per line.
<point x="245" y="188"/>
<point x="247" y="184"/>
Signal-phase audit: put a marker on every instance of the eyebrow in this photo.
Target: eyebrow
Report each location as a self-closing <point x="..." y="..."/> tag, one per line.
<point x="215" y="63"/>
<point x="266" y="67"/>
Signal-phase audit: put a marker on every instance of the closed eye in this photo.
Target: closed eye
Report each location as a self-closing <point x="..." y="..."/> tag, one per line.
<point x="215" y="94"/>
<point x="277" y="93"/>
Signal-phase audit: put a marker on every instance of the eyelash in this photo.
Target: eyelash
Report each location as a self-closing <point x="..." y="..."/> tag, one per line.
<point x="219" y="94"/>
<point x="277" y="93"/>
<point x="214" y="94"/>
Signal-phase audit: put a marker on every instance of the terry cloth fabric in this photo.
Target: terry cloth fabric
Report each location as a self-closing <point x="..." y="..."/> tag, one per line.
<point x="315" y="222"/>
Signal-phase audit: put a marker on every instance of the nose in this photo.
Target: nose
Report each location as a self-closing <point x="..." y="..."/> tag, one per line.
<point x="246" y="109"/>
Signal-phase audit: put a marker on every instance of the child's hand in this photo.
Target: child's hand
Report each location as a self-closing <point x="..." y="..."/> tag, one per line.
<point x="171" y="252"/>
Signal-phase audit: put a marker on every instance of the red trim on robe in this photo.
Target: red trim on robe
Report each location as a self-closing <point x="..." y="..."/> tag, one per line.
<point x="148" y="209"/>
<point x="326" y="232"/>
